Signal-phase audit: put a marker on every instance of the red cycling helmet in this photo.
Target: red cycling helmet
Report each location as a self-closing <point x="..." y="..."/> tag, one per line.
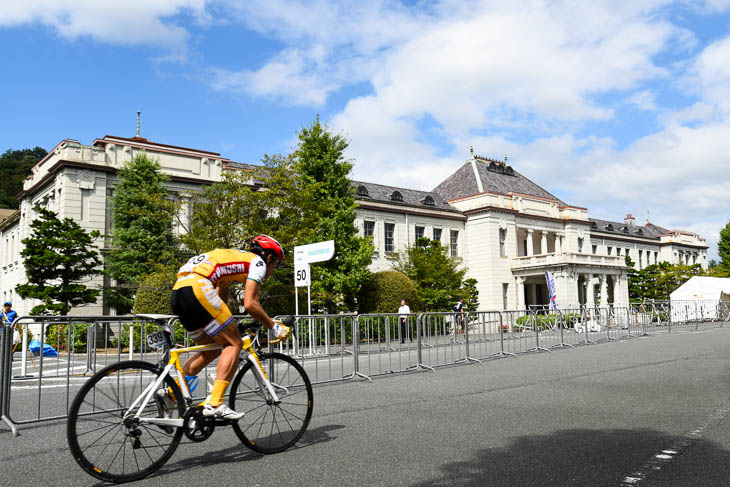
<point x="264" y="245"/>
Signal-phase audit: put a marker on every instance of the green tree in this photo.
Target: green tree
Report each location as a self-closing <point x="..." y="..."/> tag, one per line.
<point x="319" y="159"/>
<point x="383" y="292"/>
<point x="658" y="281"/>
<point x="58" y="256"/>
<point x="15" y="165"/>
<point x="723" y="247"/>
<point x="470" y="293"/>
<point x="142" y="237"/>
<point x="270" y="200"/>
<point x="436" y="274"/>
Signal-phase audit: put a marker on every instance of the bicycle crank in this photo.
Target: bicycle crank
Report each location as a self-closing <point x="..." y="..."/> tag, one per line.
<point x="196" y="426"/>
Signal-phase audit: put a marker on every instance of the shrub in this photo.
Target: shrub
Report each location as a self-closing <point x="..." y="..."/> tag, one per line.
<point x="384" y="292"/>
<point x="57" y="336"/>
<point x="153" y="294"/>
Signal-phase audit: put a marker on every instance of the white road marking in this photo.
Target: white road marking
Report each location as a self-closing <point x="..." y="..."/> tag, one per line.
<point x="676" y="448"/>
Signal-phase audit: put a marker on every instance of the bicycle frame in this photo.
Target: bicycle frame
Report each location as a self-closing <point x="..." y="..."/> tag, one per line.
<point x="248" y="353"/>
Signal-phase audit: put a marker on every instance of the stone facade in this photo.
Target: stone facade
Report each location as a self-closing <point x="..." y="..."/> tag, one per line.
<point x="506" y="229"/>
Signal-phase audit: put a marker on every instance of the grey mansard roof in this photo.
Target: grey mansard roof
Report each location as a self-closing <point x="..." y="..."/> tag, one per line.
<point x="410" y="197"/>
<point x="496" y="177"/>
<point x="621" y="228"/>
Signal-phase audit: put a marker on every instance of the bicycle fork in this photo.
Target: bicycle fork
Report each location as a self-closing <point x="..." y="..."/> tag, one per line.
<point x="261" y="377"/>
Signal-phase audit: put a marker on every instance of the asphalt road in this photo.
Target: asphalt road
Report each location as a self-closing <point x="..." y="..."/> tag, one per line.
<point x="651" y="411"/>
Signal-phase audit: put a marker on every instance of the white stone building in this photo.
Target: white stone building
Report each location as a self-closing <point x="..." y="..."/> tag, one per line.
<point x="507" y="230"/>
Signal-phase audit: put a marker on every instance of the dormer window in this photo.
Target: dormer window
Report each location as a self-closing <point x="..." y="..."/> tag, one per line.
<point x="509" y="171"/>
<point x="396" y="196"/>
<point x="625" y="229"/>
<point x="593" y="225"/>
<point x="427" y="201"/>
<point x="609" y="227"/>
<point x="362" y="191"/>
<point x="640" y="232"/>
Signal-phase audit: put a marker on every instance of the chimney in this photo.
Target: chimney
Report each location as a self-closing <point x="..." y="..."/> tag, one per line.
<point x="629" y="220"/>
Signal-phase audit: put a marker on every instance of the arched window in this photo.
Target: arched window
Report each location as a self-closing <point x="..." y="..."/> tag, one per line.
<point x="625" y="229"/>
<point x="609" y="227"/>
<point x="640" y="232"/>
<point x="427" y="201"/>
<point x="396" y="196"/>
<point x="509" y="171"/>
<point x="362" y="191"/>
<point x="593" y="225"/>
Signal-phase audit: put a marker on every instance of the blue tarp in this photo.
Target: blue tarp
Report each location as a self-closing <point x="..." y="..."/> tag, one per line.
<point x="48" y="351"/>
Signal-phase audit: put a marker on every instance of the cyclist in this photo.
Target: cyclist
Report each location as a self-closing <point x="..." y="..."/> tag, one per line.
<point x="199" y="298"/>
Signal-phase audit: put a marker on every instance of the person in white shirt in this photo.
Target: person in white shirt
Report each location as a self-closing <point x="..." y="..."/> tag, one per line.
<point x="403" y="313"/>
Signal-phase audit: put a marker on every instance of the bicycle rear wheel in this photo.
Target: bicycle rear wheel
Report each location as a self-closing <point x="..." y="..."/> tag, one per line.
<point x="270" y="427"/>
<point x="110" y="444"/>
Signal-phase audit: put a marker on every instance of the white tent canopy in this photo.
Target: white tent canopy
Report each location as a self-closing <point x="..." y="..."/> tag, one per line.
<point x="699" y="298"/>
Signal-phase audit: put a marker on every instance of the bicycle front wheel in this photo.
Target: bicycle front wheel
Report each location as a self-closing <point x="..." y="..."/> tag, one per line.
<point x="270" y="426"/>
<point x="107" y="439"/>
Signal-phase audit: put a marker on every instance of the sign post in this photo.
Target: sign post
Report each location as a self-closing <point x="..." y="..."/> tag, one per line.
<point x="303" y="256"/>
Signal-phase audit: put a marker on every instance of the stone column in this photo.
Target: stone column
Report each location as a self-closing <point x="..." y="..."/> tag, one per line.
<point x="529" y="242"/>
<point x="590" y="294"/>
<point x="543" y="243"/>
<point x="520" y="281"/>
<point x="617" y="290"/>
<point x="604" y="290"/>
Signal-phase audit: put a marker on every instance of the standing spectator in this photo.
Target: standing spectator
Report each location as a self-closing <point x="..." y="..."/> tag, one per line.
<point x="403" y="313"/>
<point x="8" y="316"/>
<point x="458" y="310"/>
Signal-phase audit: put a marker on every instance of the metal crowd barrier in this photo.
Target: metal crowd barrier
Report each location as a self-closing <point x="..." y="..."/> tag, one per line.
<point x="331" y="348"/>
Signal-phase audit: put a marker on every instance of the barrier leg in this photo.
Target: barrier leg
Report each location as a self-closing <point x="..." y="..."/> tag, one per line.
<point x="24" y="357"/>
<point x="419" y="347"/>
<point x="6" y="369"/>
<point x="356" y="354"/>
<point x="501" y="352"/>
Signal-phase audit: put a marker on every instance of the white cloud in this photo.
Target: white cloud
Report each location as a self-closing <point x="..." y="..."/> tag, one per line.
<point x="644" y="100"/>
<point x="132" y="22"/>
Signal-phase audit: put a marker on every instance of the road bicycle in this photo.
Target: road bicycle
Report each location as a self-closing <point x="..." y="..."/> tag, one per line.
<point x="120" y="430"/>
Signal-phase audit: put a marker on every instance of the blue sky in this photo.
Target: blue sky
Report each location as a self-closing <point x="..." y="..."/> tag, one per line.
<point x="617" y="106"/>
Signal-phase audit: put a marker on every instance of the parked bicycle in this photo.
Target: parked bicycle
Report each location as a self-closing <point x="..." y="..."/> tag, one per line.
<point x="118" y="431"/>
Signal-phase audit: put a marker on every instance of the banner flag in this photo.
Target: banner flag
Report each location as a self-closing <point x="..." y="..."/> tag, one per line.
<point x="551" y="288"/>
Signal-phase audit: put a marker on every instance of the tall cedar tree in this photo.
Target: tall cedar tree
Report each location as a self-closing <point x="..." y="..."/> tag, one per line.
<point x="437" y="276"/>
<point x="319" y="160"/>
<point x="15" y="165"/>
<point x="142" y="238"/>
<point x="58" y="256"/>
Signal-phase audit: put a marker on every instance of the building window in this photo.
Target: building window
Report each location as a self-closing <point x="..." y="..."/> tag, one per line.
<point x="362" y="191"/>
<point x="396" y="196"/>
<point x="437" y="234"/>
<point x="420" y="231"/>
<point x="502" y="238"/>
<point x="580" y="245"/>
<point x="369" y="228"/>
<point x="389" y="236"/>
<point x="505" y="290"/>
<point x="594" y="248"/>
<point x="618" y="251"/>
<point x="608" y="250"/>
<point x="454" y="243"/>
<point x="640" y="256"/>
<point x="656" y="257"/>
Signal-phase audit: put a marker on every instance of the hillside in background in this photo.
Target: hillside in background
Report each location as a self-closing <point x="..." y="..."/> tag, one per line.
<point x="14" y="167"/>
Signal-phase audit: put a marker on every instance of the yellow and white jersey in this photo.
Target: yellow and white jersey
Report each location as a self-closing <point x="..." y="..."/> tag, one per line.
<point x="223" y="267"/>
